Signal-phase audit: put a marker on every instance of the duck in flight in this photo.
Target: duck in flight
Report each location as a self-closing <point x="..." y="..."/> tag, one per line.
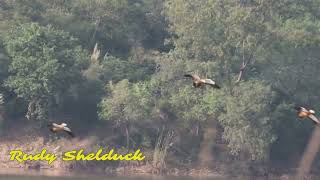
<point x="60" y="127"/>
<point x="198" y="82"/>
<point x="305" y="113"/>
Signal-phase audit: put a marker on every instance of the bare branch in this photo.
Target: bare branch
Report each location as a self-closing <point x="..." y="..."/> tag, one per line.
<point x="95" y="54"/>
<point x="243" y="67"/>
<point x="1" y="99"/>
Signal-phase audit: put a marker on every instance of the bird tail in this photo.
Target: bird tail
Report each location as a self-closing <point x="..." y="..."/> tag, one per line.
<point x="217" y="86"/>
<point x="71" y="133"/>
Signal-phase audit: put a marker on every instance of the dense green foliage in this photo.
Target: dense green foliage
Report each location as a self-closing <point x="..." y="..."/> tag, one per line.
<point x="134" y="79"/>
<point x="45" y="63"/>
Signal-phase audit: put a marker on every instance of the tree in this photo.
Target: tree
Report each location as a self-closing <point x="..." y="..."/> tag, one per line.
<point x="46" y="62"/>
<point x="248" y="122"/>
<point x="4" y="64"/>
<point x="126" y="105"/>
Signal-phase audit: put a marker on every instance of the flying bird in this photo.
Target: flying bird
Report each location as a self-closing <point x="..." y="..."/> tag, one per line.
<point x="60" y="127"/>
<point x="198" y="82"/>
<point x="305" y="113"/>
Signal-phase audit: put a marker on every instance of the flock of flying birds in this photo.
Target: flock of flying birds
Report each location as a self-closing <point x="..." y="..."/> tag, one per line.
<point x="197" y="83"/>
<point x="302" y="111"/>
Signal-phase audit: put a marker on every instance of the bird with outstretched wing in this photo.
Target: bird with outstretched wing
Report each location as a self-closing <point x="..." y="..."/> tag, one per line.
<point x="198" y="82"/>
<point x="305" y="113"/>
<point x="55" y="128"/>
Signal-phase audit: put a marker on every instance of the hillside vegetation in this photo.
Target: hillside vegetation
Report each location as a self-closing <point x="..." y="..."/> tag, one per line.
<point x="116" y="68"/>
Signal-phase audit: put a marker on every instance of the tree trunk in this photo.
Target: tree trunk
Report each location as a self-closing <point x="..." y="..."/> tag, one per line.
<point x="2" y="117"/>
<point x="309" y="155"/>
<point x="127" y="135"/>
<point x="205" y="157"/>
<point x="197" y="129"/>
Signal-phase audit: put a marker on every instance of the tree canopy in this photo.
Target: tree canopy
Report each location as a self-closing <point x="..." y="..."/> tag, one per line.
<point x="45" y="62"/>
<point x="264" y="54"/>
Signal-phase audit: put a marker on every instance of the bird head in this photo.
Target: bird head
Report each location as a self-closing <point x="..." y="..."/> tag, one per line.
<point x="63" y="124"/>
<point x="312" y="111"/>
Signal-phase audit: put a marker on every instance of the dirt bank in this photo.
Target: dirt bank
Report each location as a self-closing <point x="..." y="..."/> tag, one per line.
<point x="36" y="143"/>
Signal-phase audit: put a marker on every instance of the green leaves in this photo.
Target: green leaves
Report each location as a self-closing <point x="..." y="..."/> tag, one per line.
<point x="192" y="105"/>
<point x="278" y="41"/>
<point x="302" y="31"/>
<point x="126" y="103"/>
<point x="45" y="61"/>
<point x="247" y="122"/>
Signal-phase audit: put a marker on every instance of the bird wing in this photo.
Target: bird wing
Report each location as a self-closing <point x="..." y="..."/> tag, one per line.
<point x="68" y="130"/>
<point x="55" y="125"/>
<point x="194" y="77"/>
<point x="314" y="118"/>
<point x="301" y="109"/>
<point x="298" y="108"/>
<point x="211" y="82"/>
